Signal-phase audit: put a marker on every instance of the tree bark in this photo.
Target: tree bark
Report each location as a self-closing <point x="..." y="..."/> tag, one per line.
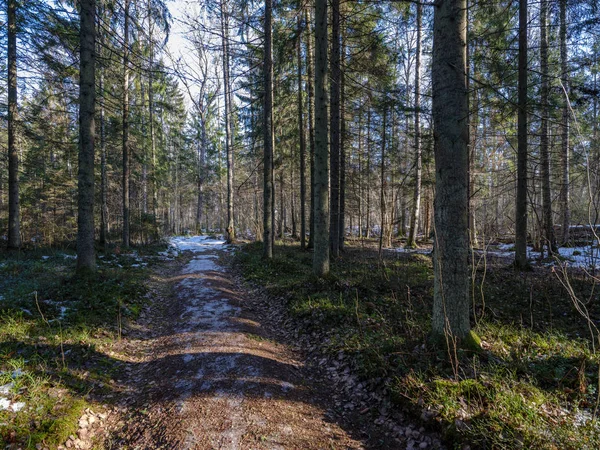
<point x="201" y="166"/>
<point x="368" y="190"/>
<point x="230" y="231"/>
<point x="321" y="182"/>
<point x="14" y="220"/>
<point x="301" y="134"/>
<point x="565" y="156"/>
<point x="549" y="239"/>
<point x="450" y="118"/>
<point x="521" y="198"/>
<point x="343" y="137"/>
<point x="334" y="131"/>
<point x="268" y="205"/>
<point x="103" y="171"/>
<point x="151" y="121"/>
<point x="126" y="151"/>
<point x="416" y="206"/>
<point x="86" y="257"/>
<point x="382" y="205"/>
<point x="311" y="125"/>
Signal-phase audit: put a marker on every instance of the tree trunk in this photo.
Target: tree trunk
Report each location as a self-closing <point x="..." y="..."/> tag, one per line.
<point x="201" y="168"/>
<point x="473" y="122"/>
<point x="311" y="125"/>
<point x="416" y="207"/>
<point x="321" y="182"/>
<point x="302" y="140"/>
<point x="548" y="238"/>
<point x="151" y="120"/>
<point x="343" y="137"/>
<point x="450" y="118"/>
<point x="521" y="200"/>
<point x="281" y="207"/>
<point x="383" y="183"/>
<point x="334" y="130"/>
<point x="14" y="225"/>
<point x="86" y="257"/>
<point x="565" y="157"/>
<point x="268" y="135"/>
<point x="368" y="190"/>
<point x="126" y="156"/>
<point x="230" y="231"/>
<point x="143" y="145"/>
<point x="103" y="172"/>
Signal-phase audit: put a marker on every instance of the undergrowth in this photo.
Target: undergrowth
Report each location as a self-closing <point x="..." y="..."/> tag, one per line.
<point x="56" y="332"/>
<point x="534" y="383"/>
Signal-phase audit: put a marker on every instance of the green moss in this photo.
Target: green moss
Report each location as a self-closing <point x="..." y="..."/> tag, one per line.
<point x="54" y="328"/>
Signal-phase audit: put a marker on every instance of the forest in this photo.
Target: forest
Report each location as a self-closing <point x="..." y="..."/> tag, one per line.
<point x="299" y="224"/>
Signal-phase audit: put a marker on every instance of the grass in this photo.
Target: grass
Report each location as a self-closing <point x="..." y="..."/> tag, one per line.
<point x="56" y="335"/>
<point x="533" y="385"/>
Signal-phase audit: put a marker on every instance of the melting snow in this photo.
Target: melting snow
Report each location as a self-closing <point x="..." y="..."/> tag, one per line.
<point x="197" y="243"/>
<point x="201" y="264"/>
<point x="586" y="257"/>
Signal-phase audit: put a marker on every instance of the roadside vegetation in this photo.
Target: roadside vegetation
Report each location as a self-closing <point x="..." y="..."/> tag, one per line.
<point x="57" y="336"/>
<point x="533" y="384"/>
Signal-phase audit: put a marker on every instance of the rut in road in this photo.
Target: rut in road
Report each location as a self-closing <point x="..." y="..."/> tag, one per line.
<point x="210" y="380"/>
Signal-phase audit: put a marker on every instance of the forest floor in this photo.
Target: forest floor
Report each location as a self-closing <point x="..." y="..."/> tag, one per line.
<point x="202" y="345"/>
<point x="533" y="383"/>
<point x="169" y="349"/>
<point x="214" y="373"/>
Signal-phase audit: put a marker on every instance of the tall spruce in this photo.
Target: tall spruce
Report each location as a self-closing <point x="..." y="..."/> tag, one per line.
<point x="310" y="81"/>
<point x="321" y="178"/>
<point x="548" y="237"/>
<point x="86" y="257"/>
<point x="334" y="131"/>
<point x="14" y="213"/>
<point x="301" y="133"/>
<point x="268" y="206"/>
<point x="565" y="186"/>
<point x="450" y="120"/>
<point x="522" y="138"/>
<point x="125" y="236"/>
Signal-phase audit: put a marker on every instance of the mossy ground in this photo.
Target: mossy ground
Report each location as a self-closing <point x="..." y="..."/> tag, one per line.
<point x="534" y="383"/>
<point x="56" y="331"/>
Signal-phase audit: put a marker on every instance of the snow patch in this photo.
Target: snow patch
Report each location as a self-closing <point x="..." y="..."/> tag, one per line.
<point x="201" y="264"/>
<point x="582" y="257"/>
<point x="197" y="243"/>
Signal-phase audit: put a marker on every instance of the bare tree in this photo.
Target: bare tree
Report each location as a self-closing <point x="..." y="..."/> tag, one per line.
<point x="230" y="230"/>
<point x="416" y="206"/>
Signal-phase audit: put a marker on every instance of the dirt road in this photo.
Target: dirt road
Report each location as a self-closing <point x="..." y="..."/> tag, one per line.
<point x="210" y="377"/>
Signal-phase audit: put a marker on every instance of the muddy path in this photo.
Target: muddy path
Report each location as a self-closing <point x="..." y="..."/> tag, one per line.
<point x="205" y="373"/>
